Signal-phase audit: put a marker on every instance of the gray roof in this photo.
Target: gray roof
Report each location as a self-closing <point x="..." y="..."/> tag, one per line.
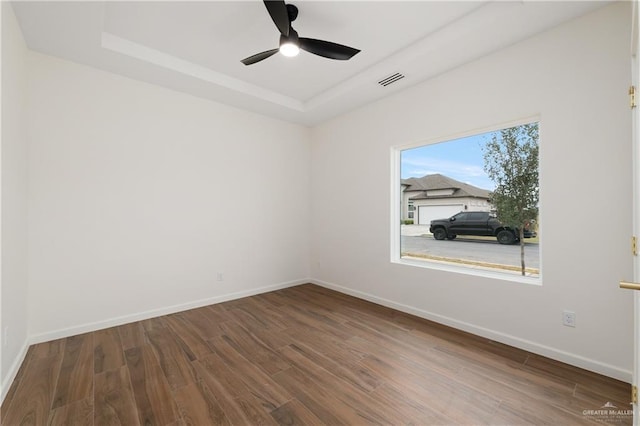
<point x="438" y="181"/>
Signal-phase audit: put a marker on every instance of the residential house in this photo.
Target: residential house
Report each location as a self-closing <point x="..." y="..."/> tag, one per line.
<point x="436" y="196"/>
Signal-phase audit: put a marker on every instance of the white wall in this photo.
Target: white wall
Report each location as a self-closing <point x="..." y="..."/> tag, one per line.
<point x="140" y="196"/>
<point x="13" y="231"/>
<point x="575" y="78"/>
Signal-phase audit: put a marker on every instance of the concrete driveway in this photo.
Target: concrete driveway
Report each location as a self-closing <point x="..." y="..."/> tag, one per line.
<point x="414" y="230"/>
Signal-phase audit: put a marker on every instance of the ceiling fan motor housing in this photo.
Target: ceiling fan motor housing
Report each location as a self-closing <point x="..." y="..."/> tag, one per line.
<point x="292" y="38"/>
<point x="292" y="10"/>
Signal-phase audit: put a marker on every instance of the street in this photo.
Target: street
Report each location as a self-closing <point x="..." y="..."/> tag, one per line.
<point x="471" y="250"/>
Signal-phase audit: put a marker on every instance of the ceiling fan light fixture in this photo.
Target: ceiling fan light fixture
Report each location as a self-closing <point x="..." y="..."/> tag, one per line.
<point x="289" y="49"/>
<point x="290" y="45"/>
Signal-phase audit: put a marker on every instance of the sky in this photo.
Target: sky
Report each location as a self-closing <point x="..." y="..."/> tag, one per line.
<point x="460" y="159"/>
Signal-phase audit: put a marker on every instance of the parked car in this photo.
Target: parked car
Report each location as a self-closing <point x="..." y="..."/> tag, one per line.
<point x="476" y="223"/>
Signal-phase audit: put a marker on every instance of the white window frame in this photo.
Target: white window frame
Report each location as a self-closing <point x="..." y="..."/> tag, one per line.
<point x="396" y="210"/>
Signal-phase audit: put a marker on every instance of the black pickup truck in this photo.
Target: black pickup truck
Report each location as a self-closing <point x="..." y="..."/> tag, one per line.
<point x="476" y="223"/>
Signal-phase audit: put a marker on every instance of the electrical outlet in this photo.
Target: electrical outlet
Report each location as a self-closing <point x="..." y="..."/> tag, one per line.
<point x="569" y="318"/>
<point x="220" y="276"/>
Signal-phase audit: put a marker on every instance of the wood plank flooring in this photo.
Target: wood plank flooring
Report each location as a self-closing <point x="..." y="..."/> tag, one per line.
<point x="302" y="355"/>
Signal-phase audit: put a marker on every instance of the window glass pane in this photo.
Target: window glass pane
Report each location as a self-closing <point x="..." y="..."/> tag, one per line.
<point x="473" y="201"/>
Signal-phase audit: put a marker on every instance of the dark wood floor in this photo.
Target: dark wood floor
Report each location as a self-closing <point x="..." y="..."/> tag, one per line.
<point x="303" y="355"/>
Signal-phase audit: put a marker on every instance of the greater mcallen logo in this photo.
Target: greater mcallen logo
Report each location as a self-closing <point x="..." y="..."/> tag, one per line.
<point x="608" y="412"/>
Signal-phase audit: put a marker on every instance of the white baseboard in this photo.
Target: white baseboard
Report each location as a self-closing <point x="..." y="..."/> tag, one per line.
<point x="547" y="351"/>
<point x="139" y="316"/>
<point x="13" y="371"/>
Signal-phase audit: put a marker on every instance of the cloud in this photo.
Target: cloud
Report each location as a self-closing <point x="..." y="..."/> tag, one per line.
<point x="445" y="167"/>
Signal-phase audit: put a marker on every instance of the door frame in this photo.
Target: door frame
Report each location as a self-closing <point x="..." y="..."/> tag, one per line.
<point x="635" y="114"/>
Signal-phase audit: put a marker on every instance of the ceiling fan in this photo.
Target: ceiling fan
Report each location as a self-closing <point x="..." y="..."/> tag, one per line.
<point x="290" y="44"/>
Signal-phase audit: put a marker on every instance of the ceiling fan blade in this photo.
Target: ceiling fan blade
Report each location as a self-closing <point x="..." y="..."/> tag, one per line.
<point x="259" y="57"/>
<point x="278" y="12"/>
<point x="327" y="49"/>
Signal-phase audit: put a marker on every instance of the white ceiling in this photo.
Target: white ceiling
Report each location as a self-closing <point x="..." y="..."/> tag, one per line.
<point x="196" y="47"/>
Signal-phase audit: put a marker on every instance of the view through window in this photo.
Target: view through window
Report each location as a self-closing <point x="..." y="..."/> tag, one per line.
<point x="473" y="201"/>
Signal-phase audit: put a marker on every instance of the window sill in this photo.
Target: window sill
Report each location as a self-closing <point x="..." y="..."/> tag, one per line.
<point x="473" y="270"/>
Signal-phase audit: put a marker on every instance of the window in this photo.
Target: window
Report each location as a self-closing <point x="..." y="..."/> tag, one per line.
<point x="471" y="203"/>
<point x="476" y="216"/>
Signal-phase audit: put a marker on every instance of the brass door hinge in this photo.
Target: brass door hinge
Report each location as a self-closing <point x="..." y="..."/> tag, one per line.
<point x="634" y="245"/>
<point x="632" y="97"/>
<point x="634" y="394"/>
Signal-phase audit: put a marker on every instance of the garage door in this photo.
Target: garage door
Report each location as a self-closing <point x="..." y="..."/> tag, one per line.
<point x="427" y="213"/>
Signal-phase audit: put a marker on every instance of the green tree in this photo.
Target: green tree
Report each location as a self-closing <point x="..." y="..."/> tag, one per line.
<point x="511" y="161"/>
